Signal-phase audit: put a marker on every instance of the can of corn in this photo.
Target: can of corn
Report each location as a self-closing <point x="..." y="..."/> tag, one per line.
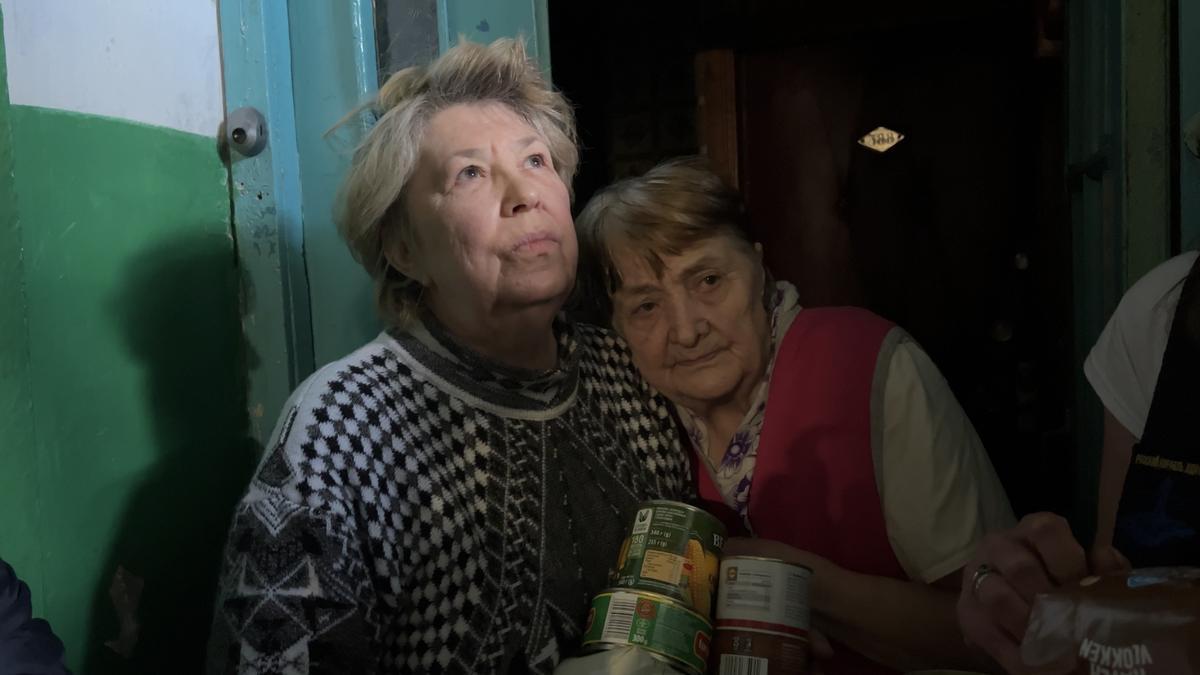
<point x="673" y="549"/>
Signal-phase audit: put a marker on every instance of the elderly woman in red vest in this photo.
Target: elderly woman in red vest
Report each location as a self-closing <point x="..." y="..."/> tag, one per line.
<point x="828" y="431"/>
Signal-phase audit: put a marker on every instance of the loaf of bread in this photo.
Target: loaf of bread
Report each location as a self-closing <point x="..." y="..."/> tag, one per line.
<point x="1143" y="623"/>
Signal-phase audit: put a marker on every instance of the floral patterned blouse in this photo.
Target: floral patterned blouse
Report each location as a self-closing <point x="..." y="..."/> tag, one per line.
<point x="735" y="473"/>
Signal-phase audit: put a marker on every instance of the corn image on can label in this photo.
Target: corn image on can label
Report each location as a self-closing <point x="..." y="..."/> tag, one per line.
<point x="656" y="623"/>
<point x="673" y="549"/>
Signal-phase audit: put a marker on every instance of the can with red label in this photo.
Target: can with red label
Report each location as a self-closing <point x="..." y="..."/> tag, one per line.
<point x="762" y="617"/>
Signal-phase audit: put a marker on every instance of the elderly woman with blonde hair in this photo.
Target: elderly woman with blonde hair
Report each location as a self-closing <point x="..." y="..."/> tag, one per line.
<point x="828" y="432"/>
<point x="449" y="497"/>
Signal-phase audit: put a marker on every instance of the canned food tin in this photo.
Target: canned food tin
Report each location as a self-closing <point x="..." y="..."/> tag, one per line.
<point x="762" y="616"/>
<point x="674" y="549"/>
<point x="740" y="652"/>
<point x="653" y="622"/>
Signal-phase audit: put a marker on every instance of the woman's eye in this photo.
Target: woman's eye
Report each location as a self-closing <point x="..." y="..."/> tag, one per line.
<point x="536" y="161"/>
<point x="470" y="173"/>
<point x="644" y="308"/>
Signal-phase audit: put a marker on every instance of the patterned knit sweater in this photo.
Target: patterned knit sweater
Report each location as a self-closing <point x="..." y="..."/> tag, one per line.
<point x="423" y="510"/>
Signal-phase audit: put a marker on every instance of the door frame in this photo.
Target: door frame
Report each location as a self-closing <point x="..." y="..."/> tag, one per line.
<point x="288" y="60"/>
<point x="266" y="196"/>
<point x="1187" y="64"/>
<point x="1133" y="197"/>
<point x="305" y="66"/>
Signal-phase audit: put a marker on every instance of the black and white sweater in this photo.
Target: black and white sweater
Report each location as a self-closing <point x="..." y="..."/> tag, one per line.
<point x="422" y="510"/>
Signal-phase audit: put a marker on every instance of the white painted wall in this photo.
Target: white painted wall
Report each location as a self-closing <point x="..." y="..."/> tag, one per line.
<point x="151" y="61"/>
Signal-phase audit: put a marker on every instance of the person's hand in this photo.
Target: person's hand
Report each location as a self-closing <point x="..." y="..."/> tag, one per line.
<point x="820" y="652"/>
<point x="1010" y="568"/>
<point x="1107" y="560"/>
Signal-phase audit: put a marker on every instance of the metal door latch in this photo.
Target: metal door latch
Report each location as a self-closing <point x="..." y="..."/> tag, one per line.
<point x="246" y="131"/>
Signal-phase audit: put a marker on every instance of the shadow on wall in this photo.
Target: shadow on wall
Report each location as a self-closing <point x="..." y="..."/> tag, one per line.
<point x="179" y="311"/>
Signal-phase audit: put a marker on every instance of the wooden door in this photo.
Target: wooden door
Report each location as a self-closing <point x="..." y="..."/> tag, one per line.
<point x="955" y="230"/>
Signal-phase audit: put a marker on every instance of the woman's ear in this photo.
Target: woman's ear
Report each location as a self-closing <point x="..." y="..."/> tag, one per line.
<point x="766" y="276"/>
<point x="400" y="252"/>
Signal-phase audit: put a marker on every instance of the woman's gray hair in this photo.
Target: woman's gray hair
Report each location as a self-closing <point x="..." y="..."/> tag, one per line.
<point x="664" y="212"/>
<point x="371" y="211"/>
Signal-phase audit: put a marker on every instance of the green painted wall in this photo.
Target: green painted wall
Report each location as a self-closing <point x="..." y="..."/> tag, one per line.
<point x="130" y="444"/>
<point x="18" y="443"/>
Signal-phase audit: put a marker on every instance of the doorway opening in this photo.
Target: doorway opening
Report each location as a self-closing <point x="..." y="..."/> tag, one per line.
<point x="957" y="230"/>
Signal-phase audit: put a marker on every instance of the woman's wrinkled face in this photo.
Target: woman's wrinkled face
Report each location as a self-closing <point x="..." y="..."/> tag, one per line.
<point x="699" y="332"/>
<point x="491" y="219"/>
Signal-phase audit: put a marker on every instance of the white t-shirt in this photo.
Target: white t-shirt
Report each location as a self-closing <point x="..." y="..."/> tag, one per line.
<point x="939" y="491"/>
<point x="1123" y="365"/>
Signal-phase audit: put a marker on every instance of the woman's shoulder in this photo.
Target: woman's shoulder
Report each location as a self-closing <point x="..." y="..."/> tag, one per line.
<point x="606" y="368"/>
<point x="601" y="346"/>
<point x="1124" y="363"/>
<point x="835" y="330"/>
<point x="839" y="319"/>
<point x="593" y="335"/>
<point x="330" y="423"/>
<point x="1158" y="290"/>
<point x="375" y="363"/>
<point x="360" y="386"/>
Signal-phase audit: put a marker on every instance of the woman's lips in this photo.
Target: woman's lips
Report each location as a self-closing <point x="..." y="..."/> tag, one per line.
<point x="704" y="358"/>
<point x="536" y="241"/>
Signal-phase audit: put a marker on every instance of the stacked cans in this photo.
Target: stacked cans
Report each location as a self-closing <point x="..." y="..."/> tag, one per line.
<point x="762" y="617"/>
<point x="664" y="587"/>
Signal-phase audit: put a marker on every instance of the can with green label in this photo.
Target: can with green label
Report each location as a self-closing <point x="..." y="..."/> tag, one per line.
<point x="660" y="625"/>
<point x="674" y="549"/>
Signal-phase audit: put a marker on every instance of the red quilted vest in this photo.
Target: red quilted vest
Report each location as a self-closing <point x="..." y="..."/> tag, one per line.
<point x="814" y="482"/>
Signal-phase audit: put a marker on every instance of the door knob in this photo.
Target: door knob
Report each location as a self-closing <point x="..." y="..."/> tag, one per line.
<point x="246" y="131"/>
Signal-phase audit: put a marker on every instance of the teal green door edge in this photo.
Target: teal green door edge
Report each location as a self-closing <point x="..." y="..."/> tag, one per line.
<point x="1188" y="40"/>
<point x="335" y="70"/>
<point x="1095" y="176"/>
<point x="268" y="213"/>
<point x="487" y="20"/>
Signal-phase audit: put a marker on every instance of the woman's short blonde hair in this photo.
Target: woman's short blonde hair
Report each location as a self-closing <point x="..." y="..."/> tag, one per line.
<point x="371" y="209"/>
<point x="664" y="212"/>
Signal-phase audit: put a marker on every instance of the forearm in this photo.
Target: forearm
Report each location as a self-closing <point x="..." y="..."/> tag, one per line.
<point x="1115" y="456"/>
<point x="901" y="624"/>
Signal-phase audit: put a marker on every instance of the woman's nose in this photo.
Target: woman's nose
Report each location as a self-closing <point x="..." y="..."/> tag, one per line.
<point x="520" y="195"/>
<point x="687" y="326"/>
